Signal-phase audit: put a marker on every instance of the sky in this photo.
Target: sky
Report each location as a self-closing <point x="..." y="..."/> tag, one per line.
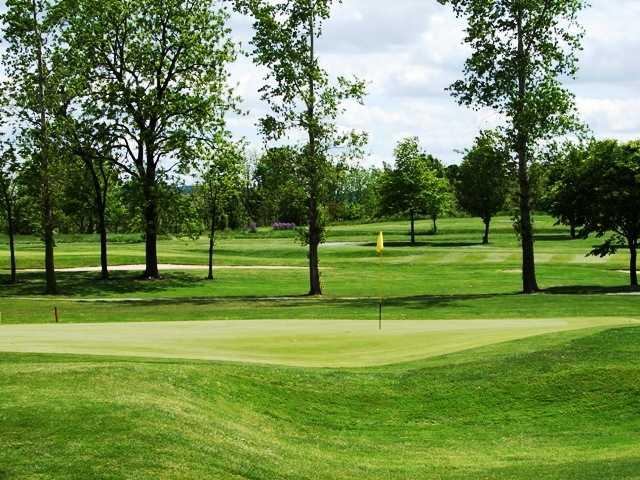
<point x="409" y="51"/>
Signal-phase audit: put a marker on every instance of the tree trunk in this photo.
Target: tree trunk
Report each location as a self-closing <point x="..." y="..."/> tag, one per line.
<point x="314" y="241"/>
<point x="529" y="282"/>
<point x="212" y="241"/>
<point x="435" y="224"/>
<point x="100" y="192"/>
<point x="151" y="233"/>
<point x="573" y="231"/>
<point x="104" y="261"/>
<point x="633" y="263"/>
<point x="47" y="203"/>
<point x="487" y="224"/>
<point x="12" y="247"/>
<point x="315" y="228"/>
<point x="413" y="228"/>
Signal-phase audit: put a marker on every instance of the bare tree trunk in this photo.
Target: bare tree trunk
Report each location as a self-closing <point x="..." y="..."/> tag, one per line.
<point x="104" y="261"/>
<point x="212" y="242"/>
<point x="487" y="225"/>
<point x="435" y="224"/>
<point x="315" y="288"/>
<point x="572" y="231"/>
<point x="529" y="282"/>
<point x="101" y="210"/>
<point x="12" y="247"/>
<point x="633" y="263"/>
<point x="150" y="231"/>
<point x="413" y="228"/>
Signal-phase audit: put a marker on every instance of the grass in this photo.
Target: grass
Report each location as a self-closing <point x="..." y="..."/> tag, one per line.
<point x="450" y="275"/>
<point x="247" y="378"/>
<point x="322" y="343"/>
<point x="559" y="406"/>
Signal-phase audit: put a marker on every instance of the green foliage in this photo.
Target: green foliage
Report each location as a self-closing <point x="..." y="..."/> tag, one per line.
<point x="481" y="181"/>
<point x="303" y="100"/>
<point x="416" y="185"/>
<point x="355" y="194"/>
<point x="609" y="184"/>
<point x="520" y="52"/>
<point x="563" y="193"/>
<point x="223" y="183"/>
<point x="278" y="187"/>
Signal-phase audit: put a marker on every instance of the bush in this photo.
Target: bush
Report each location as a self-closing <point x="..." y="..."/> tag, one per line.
<point x="283" y="226"/>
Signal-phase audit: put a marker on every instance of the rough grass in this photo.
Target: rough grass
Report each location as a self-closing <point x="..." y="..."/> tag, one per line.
<point x="561" y="406"/>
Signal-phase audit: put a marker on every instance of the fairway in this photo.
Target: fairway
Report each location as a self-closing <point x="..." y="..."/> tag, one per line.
<point x="320" y="343"/>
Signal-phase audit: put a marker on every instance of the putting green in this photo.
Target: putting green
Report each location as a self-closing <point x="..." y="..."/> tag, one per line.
<point x="327" y="343"/>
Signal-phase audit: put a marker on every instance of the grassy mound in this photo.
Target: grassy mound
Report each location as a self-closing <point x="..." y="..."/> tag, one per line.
<point x="561" y="406"/>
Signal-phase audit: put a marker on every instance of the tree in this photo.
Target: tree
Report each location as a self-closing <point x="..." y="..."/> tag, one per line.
<point x="302" y="98"/>
<point x="279" y="187"/>
<point x="414" y="186"/>
<point x="481" y="181"/>
<point x="89" y="143"/>
<point x="8" y="197"/>
<point x="32" y="31"/>
<point x="564" y="196"/>
<point x="521" y="48"/>
<point x="223" y="176"/>
<point x="158" y="71"/>
<point x="610" y="179"/>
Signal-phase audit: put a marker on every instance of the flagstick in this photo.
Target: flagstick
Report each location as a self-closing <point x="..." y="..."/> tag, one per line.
<point x="381" y="293"/>
<point x="380" y="252"/>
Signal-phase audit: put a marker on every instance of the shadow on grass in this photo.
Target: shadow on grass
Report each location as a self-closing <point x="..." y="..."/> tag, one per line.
<point x="589" y="290"/>
<point x="553" y="238"/>
<point x="443" y="244"/>
<point x="87" y="284"/>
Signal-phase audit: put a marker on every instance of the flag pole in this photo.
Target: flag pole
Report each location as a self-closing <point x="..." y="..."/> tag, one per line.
<point x="380" y="251"/>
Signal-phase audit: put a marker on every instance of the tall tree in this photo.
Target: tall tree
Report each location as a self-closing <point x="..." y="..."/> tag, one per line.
<point x="159" y="73"/>
<point x="521" y="48"/>
<point x="223" y="175"/>
<point x="481" y="182"/>
<point x="413" y="186"/>
<point x="610" y="185"/>
<point x="8" y="197"/>
<point x="302" y="97"/>
<point x="32" y="32"/>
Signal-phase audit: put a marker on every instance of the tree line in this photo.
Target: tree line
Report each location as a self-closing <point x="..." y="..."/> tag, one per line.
<point x="107" y="102"/>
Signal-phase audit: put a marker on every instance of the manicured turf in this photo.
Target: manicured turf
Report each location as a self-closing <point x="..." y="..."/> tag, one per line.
<point x="322" y="343"/>
<point x="468" y="379"/>
<point x="562" y="406"/>
<point x="447" y="276"/>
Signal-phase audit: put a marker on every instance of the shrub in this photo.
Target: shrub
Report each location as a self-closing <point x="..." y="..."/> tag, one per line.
<point x="283" y="226"/>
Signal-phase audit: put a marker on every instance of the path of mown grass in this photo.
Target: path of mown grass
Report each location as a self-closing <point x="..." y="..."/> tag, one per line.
<point x="562" y="406"/>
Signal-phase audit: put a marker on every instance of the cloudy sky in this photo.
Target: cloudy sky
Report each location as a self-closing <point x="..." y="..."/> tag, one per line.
<point x="409" y="51"/>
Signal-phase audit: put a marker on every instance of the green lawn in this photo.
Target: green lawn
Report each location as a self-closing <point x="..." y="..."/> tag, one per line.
<point x="449" y="275"/>
<point x="561" y="406"/>
<point x="247" y="378"/>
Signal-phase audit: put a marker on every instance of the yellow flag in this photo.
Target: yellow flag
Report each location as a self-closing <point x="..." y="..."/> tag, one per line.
<point x="380" y="244"/>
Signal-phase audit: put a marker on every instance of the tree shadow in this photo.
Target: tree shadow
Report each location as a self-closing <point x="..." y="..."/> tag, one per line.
<point x="443" y="244"/>
<point x="553" y="238"/>
<point x="88" y="284"/>
<point x="589" y="290"/>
